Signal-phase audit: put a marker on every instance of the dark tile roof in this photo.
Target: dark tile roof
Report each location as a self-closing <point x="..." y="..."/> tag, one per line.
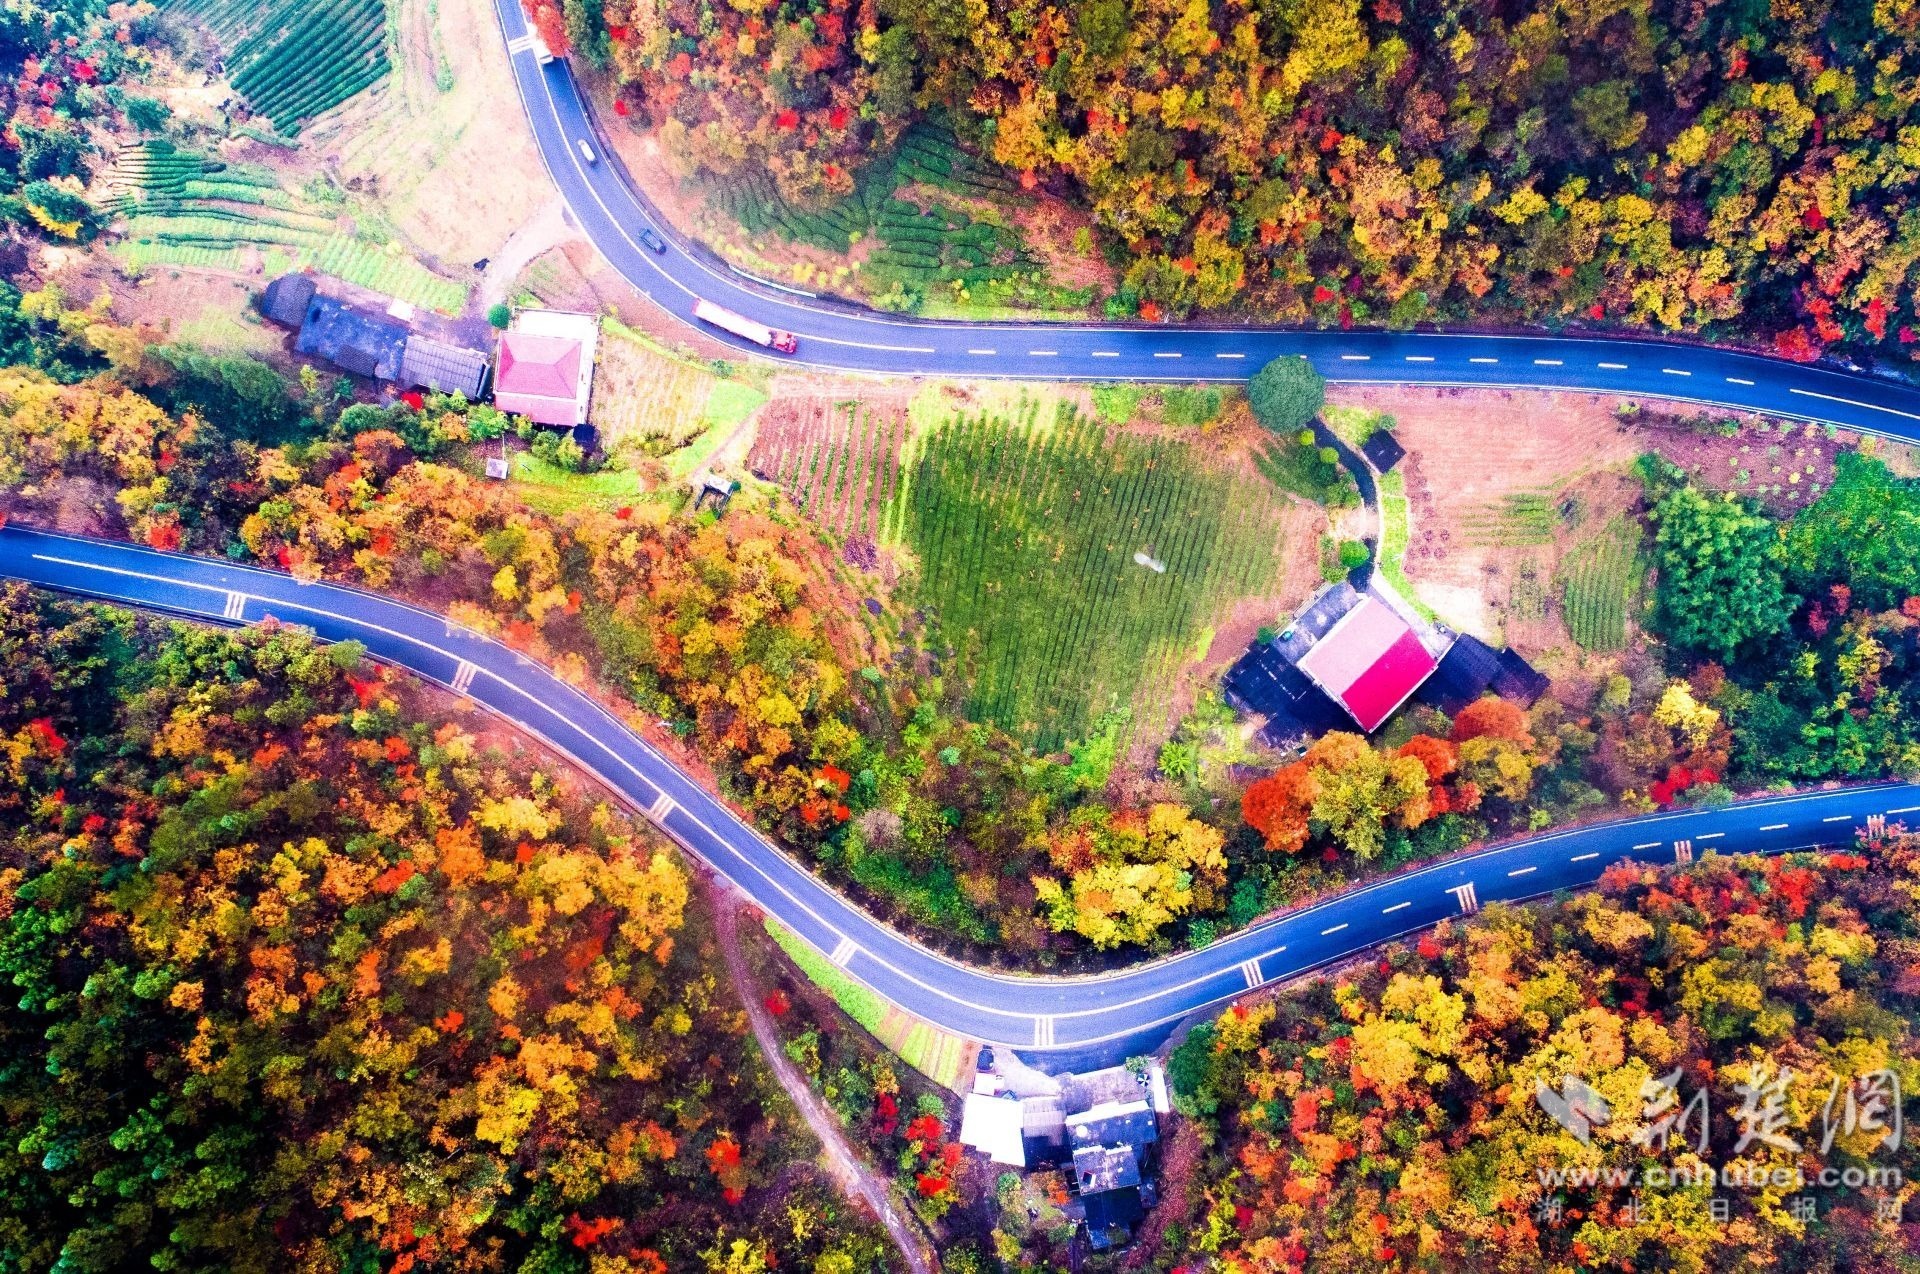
<point x="1113" y="1126"/>
<point x="285" y="300"/>
<point x="1383" y="450"/>
<point x="1097" y="1169"/>
<point x="1464" y="674"/>
<point x="361" y="343"/>
<point x="1296" y="710"/>
<point x="444" y="368"/>
<point x="1082" y="1092"/>
<point x="1111" y="1216"/>
<point x="1519" y="680"/>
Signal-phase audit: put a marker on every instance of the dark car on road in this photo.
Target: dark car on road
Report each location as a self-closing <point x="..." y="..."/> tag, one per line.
<point x="653" y="241"/>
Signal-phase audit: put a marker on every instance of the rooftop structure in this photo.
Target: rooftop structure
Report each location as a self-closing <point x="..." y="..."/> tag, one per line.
<point x="1113" y="1124"/>
<point x="1098" y="1168"/>
<point x="285" y="300"/>
<point x="443" y="368"/>
<point x="546" y="366"/>
<point x="1369" y="662"/>
<point x="993" y="1126"/>
<point x="354" y="340"/>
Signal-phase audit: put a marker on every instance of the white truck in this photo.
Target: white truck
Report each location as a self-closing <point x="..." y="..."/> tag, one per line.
<point x="759" y="333"/>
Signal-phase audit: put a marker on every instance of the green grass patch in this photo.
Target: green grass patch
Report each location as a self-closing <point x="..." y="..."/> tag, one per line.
<point x="1026" y="538"/>
<point x="1600" y="586"/>
<point x="1299" y="468"/>
<point x="610" y="485"/>
<point x="1395" y="531"/>
<point x="1355" y="426"/>
<point x="855" y="999"/>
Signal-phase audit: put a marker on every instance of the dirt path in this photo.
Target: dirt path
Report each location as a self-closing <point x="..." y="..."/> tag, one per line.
<point x="547" y="228"/>
<point x="857" y="1181"/>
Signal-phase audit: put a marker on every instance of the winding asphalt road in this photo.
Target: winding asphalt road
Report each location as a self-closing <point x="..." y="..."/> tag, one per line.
<point x="1077" y="1021"/>
<point x="612" y="212"/>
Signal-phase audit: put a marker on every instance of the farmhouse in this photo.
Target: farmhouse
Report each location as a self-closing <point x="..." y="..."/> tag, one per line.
<point x="1354" y="658"/>
<point x="1103" y="1126"/>
<point x="338" y="324"/>
<point x="546" y="366"/>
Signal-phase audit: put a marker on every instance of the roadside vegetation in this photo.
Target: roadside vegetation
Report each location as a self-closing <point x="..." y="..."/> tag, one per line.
<point x="1386" y="1117"/>
<point x="306" y="972"/>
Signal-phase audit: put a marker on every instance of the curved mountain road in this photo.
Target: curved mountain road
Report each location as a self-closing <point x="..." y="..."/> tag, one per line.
<point x="612" y="212"/>
<point x="1079" y="1021"/>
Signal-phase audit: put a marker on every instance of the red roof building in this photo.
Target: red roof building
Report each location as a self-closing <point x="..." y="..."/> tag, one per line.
<point x="1369" y="662"/>
<point x="546" y="367"/>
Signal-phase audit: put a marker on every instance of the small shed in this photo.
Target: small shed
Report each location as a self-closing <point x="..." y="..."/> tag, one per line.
<point x="1383" y="450"/>
<point x="444" y="368"/>
<point x="285" y="300"/>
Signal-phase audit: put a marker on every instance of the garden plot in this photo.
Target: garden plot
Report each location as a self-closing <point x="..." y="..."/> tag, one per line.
<point x="186" y="209"/>
<point x="1074" y="569"/>
<point x="294" y="59"/>
<point x="839" y="458"/>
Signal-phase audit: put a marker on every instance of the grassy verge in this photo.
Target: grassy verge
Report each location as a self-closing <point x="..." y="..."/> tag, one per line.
<point x="1395" y="528"/>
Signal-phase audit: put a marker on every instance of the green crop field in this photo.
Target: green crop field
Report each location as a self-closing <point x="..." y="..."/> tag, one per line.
<point x="1027" y="539"/>
<point x="1600" y="586"/>
<point x="295" y="59"/>
<point x="1521" y="520"/>
<point x="184" y="209"/>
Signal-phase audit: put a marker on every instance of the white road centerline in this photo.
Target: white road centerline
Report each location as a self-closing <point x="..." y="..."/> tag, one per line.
<point x="1335" y="929"/>
<point x="1043" y="353"/>
<point x="1581" y="858"/>
<point x="1483" y="360"/>
<point x="1652" y="844"/>
<point x="1738" y="380"/>
<point x="1398" y="906"/>
<point x="1613" y="367"/>
<point x="1905" y="809"/>
<point x="1548" y="362"/>
<point x="1165" y="354"/>
<point x="988" y="352"/>
<point x="1356" y="358"/>
<point x="1774" y="827"/>
<point x="1674" y="371"/>
<point x="1711" y="836"/>
<point x="1848" y="402"/>
<point x="1838" y="818"/>
<point x="1106" y="353"/>
<point x="1229" y="355"/>
<point x="1522" y="871"/>
<point x="1419" y="358"/>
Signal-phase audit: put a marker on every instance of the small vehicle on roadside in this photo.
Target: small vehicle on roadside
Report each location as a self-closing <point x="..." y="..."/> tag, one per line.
<point x="586" y="151"/>
<point x="651" y="241"/>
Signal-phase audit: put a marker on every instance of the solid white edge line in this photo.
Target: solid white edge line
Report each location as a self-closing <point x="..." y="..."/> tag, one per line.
<point x="1848" y="402"/>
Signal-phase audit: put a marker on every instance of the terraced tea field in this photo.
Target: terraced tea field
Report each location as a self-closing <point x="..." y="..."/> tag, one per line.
<point x="838" y="458"/>
<point x="294" y="59"/>
<point x="184" y="209"/>
<point x="1072" y="567"/>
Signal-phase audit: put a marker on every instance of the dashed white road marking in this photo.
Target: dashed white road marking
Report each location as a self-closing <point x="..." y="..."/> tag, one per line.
<point x="844" y="952"/>
<point x="1905" y="809"/>
<point x="1674" y="371"/>
<point x="1043" y="353"/>
<point x="1467" y="896"/>
<point x="1419" y="358"/>
<point x="1106" y="353"/>
<point x="1398" y="906"/>
<point x="1652" y="844"/>
<point x="1547" y="362"/>
<point x="1838" y="818"/>
<point x="1712" y="836"/>
<point x="1334" y="929"/>
<point x="1043" y="1032"/>
<point x="1162" y="353"/>
<point x="1581" y="858"/>
<point x="463" y="677"/>
<point x="1774" y="827"/>
<point x="1738" y="380"/>
<point x="1483" y="360"/>
<point x="1229" y="355"/>
<point x="1521" y="871"/>
<point x="987" y="352"/>
<point x="1613" y="367"/>
<point x="1356" y="358"/>
<point x="1250" y="970"/>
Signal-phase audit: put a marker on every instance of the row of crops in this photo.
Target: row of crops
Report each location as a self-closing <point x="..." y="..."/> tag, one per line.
<point x="919" y="246"/>
<point x="182" y="208"/>
<point x="1029" y="542"/>
<point x="1600" y="586"/>
<point x="295" y="59"/>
